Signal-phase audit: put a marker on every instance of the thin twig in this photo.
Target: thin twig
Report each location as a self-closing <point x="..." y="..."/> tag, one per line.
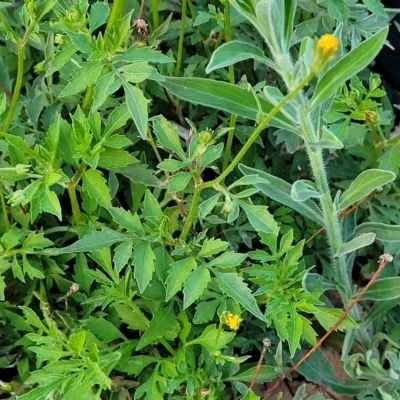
<point x="266" y="344"/>
<point x="383" y="260"/>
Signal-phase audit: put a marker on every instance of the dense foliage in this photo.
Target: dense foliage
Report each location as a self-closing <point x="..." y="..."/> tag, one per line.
<point x="188" y="185"/>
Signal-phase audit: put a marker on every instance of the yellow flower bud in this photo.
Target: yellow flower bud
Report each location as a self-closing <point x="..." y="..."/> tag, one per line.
<point x="371" y="116"/>
<point x="325" y="49"/>
<point x="59" y="39"/>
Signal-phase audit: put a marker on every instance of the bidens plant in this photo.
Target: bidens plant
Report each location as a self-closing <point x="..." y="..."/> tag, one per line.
<point x="145" y="259"/>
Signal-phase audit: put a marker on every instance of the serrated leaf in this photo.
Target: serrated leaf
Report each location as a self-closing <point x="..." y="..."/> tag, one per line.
<point x="228" y="259"/>
<point x="151" y="210"/>
<point x="98" y="15"/>
<point x="137" y="106"/>
<point x="259" y="217"/>
<point x="125" y="219"/>
<point x="83" y="77"/>
<point x="211" y="339"/>
<point x="143" y="260"/>
<point x="294" y="330"/>
<point x="177" y="275"/>
<point x="96" y="240"/>
<point x="233" y="285"/>
<point x="179" y="181"/>
<point x="96" y="187"/>
<point x="122" y="254"/>
<point x="61" y="58"/>
<point x="159" y="326"/>
<point x="115" y="158"/>
<point x="212" y="246"/>
<point x="195" y="284"/>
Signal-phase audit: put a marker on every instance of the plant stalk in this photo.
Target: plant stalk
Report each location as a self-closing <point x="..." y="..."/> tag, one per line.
<point x="181" y="38"/>
<point x="199" y="188"/>
<point x="154" y="11"/>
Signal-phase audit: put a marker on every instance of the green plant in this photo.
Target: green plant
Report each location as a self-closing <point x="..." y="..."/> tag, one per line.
<point x="136" y="260"/>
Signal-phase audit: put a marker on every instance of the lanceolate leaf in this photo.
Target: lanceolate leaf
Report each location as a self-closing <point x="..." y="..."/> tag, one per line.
<point x="383" y="232"/>
<point x="235" y="51"/>
<point x="348" y="66"/>
<point x="223" y="96"/>
<point x="365" y="239"/>
<point x="178" y="274"/>
<point x="232" y="284"/>
<point x="384" y="289"/>
<point x="364" y="184"/>
<point x="137" y="106"/>
<point x="279" y="190"/>
<point x="143" y="260"/>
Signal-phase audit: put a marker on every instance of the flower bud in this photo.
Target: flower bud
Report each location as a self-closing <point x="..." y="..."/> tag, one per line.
<point x="324" y="51"/>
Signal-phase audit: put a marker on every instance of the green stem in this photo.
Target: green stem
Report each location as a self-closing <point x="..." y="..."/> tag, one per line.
<point x="76" y="211"/>
<point x="88" y="99"/>
<point x="167" y="346"/>
<point x="198" y="189"/>
<point x="71" y="187"/>
<point x="6" y="221"/>
<point x="17" y="89"/>
<point x="181" y="38"/>
<point x="154" y="11"/>
<point x="116" y="12"/>
<point x="232" y="123"/>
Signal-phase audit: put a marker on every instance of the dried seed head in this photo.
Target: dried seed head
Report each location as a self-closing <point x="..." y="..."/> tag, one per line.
<point x="385" y="258"/>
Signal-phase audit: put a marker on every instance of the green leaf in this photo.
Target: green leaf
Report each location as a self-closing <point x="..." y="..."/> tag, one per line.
<point x="391" y="159"/>
<point x="328" y="140"/>
<point x="143" y="260"/>
<point x="195" y="284"/>
<point x="303" y="190"/>
<point x="228" y="259"/>
<point x="348" y="66"/>
<point x="294" y="329"/>
<point x="327" y="317"/>
<point x="161" y="324"/>
<point x="125" y="219"/>
<point x="363" y="185"/>
<point x="212" y="246"/>
<point x="131" y="315"/>
<point x="223" y="96"/>
<point x="384" y="289"/>
<point x="210" y="335"/>
<point x="115" y="158"/>
<point x="151" y="210"/>
<point x="337" y="9"/>
<point x="83" y="77"/>
<point x="162" y="262"/>
<point x="50" y="203"/>
<point x="236" y="51"/>
<point x="280" y="191"/>
<point x="98" y="15"/>
<point x="250" y="395"/>
<point x="206" y="310"/>
<point x="232" y="284"/>
<point x="96" y="240"/>
<point x="117" y="119"/>
<point x="383" y="232"/>
<point x="61" y="58"/>
<point x="83" y="41"/>
<point x="363" y="240"/>
<point x="376" y="7"/>
<point x="122" y="254"/>
<point x="103" y="329"/>
<point x="259" y="217"/>
<point x="137" y="106"/>
<point x="96" y="187"/>
<point x="177" y="275"/>
<point x="137" y="53"/>
<point x="171" y="165"/>
<point x="139" y="173"/>
<point x="179" y="181"/>
<point x="167" y="136"/>
<point x="32" y="318"/>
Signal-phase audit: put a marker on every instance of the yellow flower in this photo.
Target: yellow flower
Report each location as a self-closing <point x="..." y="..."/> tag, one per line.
<point x="328" y="44"/>
<point x="232" y="320"/>
<point x="324" y="51"/>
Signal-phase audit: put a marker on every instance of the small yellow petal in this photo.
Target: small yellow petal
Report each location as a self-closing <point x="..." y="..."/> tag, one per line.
<point x="232" y="320"/>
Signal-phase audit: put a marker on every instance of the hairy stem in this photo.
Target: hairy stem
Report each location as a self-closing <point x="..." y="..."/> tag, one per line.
<point x="6" y="221"/>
